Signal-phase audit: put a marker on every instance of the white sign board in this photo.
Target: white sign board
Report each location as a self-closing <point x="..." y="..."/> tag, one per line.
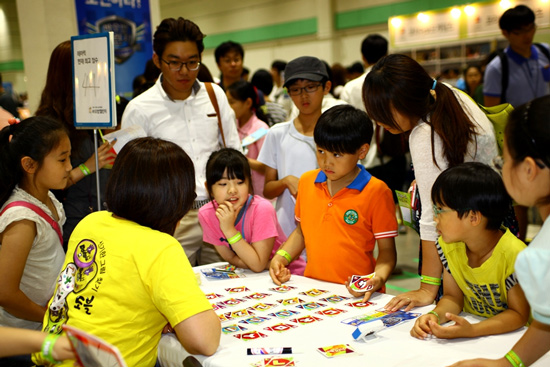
<point x="94" y="78"/>
<point x="436" y="27"/>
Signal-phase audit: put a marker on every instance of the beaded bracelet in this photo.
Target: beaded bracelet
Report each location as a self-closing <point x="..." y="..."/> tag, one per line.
<point x="85" y="170"/>
<point x="284" y="254"/>
<point x="514" y="359"/>
<point x="430" y="280"/>
<point x="47" y="347"/>
<point x="236" y="238"/>
<point x="436" y="315"/>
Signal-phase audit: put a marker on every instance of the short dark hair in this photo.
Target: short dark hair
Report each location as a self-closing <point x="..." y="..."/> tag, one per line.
<point x="343" y="129"/>
<point x="227" y="47"/>
<point x="236" y="164"/>
<point x="356" y="67"/>
<point x="473" y="186"/>
<point x="279" y="65"/>
<point x="171" y="30"/>
<point x="152" y="183"/>
<point x="516" y="18"/>
<point x="263" y="81"/>
<point x="374" y="47"/>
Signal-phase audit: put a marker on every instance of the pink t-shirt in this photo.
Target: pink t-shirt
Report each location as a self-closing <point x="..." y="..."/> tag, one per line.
<point x="260" y="223"/>
<point x="253" y="124"/>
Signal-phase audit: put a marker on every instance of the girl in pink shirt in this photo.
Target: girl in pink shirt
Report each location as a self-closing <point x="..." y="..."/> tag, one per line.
<point x="243" y="227"/>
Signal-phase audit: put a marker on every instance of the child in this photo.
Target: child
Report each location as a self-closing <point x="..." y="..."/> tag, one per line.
<point x="125" y="276"/>
<point x="242" y="226"/>
<point x="289" y="149"/>
<point x="470" y="203"/>
<point x="16" y="342"/>
<point x="526" y="175"/>
<point x="341" y="209"/>
<point x="34" y="159"/>
<point x="244" y="100"/>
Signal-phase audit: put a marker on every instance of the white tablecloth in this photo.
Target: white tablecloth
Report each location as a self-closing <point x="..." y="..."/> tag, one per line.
<point x="393" y="347"/>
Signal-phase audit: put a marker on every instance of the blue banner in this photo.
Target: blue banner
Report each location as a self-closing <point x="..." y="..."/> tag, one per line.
<point x="130" y="20"/>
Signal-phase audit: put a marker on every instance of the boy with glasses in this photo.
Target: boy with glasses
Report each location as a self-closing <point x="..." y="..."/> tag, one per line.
<point x="177" y="108"/>
<point x="289" y="149"/>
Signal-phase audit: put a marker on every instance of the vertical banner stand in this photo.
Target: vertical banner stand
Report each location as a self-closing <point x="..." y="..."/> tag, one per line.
<point x="94" y="87"/>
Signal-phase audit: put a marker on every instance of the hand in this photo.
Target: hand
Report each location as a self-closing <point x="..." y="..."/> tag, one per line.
<point x="227" y="214"/>
<point x="278" y="271"/>
<point x="62" y="349"/>
<point x="422" y="326"/>
<point x="104" y="156"/>
<point x="419" y="297"/>
<point x="375" y="282"/>
<point x="502" y="362"/>
<point x="291" y="183"/>
<point x="461" y="329"/>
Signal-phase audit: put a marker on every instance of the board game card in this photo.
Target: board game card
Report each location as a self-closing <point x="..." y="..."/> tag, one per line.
<point x="262" y="307"/>
<point x="213" y="296"/>
<point x="331" y="312"/>
<point x="237" y="289"/>
<point x="360" y="304"/>
<point x="313" y="292"/>
<point x="229" y="329"/>
<point x="310" y="306"/>
<point x="251" y="335"/>
<point x="238" y="314"/>
<point x="334" y="298"/>
<point x="232" y="302"/>
<point x="336" y="350"/>
<point x="306" y="320"/>
<point x="279" y="328"/>
<point x="359" y="282"/>
<point x="282" y="288"/>
<point x="255" y="320"/>
<point x="257" y="296"/>
<point x="284" y="314"/>
<point x="275" y="361"/>
<point x="291" y="301"/>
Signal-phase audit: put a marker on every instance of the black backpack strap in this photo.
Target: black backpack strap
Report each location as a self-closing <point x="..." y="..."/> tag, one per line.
<point x="504" y="68"/>
<point x="543" y="49"/>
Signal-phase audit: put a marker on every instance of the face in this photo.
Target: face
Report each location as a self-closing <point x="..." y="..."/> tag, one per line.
<point x="339" y="167"/>
<point x="178" y="84"/>
<point x="473" y="77"/>
<point x="308" y="103"/>
<point x="404" y="122"/>
<point x="241" y="108"/>
<point x="510" y="177"/>
<point x="521" y="39"/>
<point x="234" y="191"/>
<point x="55" y="169"/>
<point x="231" y="65"/>
<point x="449" y="225"/>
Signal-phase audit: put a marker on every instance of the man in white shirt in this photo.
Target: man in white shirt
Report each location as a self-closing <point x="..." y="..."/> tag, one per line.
<point x="177" y="108"/>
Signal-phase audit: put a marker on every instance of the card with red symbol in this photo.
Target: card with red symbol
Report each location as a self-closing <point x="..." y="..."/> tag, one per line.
<point x="279" y="328"/>
<point x="233" y="329"/>
<point x="251" y="335"/>
<point x="275" y="361"/>
<point x="359" y="282"/>
<point x="255" y="320"/>
<point x="218" y="306"/>
<point x="360" y="304"/>
<point x="238" y="314"/>
<point x="257" y="296"/>
<point x="331" y="312"/>
<point x="213" y="296"/>
<point x="306" y="320"/>
<point x="262" y="307"/>
<point x="310" y="306"/>
<point x="237" y="289"/>
<point x="334" y="299"/>
<point x="290" y="301"/>
<point x="336" y="350"/>
<point x="313" y="292"/>
<point x="284" y="314"/>
<point x="282" y="288"/>
<point x="232" y="302"/>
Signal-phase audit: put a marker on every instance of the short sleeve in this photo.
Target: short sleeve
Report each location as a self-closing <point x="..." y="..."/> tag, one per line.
<point x="211" y="232"/>
<point x="268" y="152"/>
<point x="264" y="221"/>
<point x="492" y="82"/>
<point x="532" y="272"/>
<point x="384" y="223"/>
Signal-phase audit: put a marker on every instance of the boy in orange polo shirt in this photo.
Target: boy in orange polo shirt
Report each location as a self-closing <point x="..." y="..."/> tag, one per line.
<point x="342" y="211"/>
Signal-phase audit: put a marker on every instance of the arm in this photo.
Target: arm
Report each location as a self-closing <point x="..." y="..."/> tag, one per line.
<point x="17" y="241"/>
<point x="104" y="155"/>
<point x="274" y="187"/>
<point x="489" y="101"/>
<point x="21" y="341"/>
<point x="256" y="165"/>
<point x="294" y="246"/>
<point x="200" y="333"/>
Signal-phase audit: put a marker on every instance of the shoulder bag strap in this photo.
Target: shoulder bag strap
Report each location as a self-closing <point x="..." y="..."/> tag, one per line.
<point x="38" y="211"/>
<point x="543" y="49"/>
<point x="214" y="101"/>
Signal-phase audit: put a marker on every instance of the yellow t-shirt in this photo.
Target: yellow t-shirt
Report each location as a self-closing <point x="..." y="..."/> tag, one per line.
<point x="123" y="282"/>
<point x="486" y="287"/>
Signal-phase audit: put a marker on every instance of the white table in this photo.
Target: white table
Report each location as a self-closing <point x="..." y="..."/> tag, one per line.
<point x="393" y="347"/>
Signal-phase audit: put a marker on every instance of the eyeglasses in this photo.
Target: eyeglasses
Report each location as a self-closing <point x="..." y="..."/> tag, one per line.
<point x="191" y="65"/>
<point x="297" y="91"/>
<point x="437" y="210"/>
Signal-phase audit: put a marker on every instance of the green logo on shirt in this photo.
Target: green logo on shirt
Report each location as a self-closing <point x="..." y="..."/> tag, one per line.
<point x="351" y="217"/>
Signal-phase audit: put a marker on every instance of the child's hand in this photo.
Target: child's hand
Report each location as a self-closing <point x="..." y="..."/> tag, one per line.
<point x="480" y="362"/>
<point x="62" y="349"/>
<point x="291" y="183"/>
<point x="409" y="300"/>
<point x="461" y="329"/>
<point x="104" y="155"/>
<point x="422" y="326"/>
<point x="375" y="282"/>
<point x="278" y="271"/>
<point x="226" y="214"/>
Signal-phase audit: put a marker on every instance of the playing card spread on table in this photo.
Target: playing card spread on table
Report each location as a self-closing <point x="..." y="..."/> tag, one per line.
<point x="313" y="292"/>
<point x="257" y="296"/>
<point x="232" y="302"/>
<point x="306" y="320"/>
<point x="310" y="306"/>
<point x="359" y="282"/>
<point x="275" y="361"/>
<point x="237" y="289"/>
<point x="229" y="329"/>
<point x="219" y="275"/>
<point x="218" y="306"/>
<point x="262" y="307"/>
<point x="238" y="314"/>
<point x="360" y="304"/>
<point x="336" y="350"/>
<point x="331" y="312"/>
<point x="282" y="288"/>
<point x="251" y="335"/>
<point x="226" y="268"/>
<point x="279" y="328"/>
<point x="284" y="314"/>
<point x="255" y="320"/>
<point x="213" y="296"/>
<point x="334" y="298"/>
<point x="291" y="301"/>
<point x="398" y="317"/>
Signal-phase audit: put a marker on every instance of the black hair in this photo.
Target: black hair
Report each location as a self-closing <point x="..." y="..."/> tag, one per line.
<point x="356" y="67"/>
<point x="236" y="164"/>
<point x="516" y="18"/>
<point x="34" y="137"/>
<point x="170" y="30"/>
<point x="152" y="183"/>
<point x="473" y="186"/>
<point x="374" y="47"/>
<point x="263" y="81"/>
<point x="279" y="65"/>
<point x="343" y="129"/>
<point x="227" y="47"/>
<point x="241" y="90"/>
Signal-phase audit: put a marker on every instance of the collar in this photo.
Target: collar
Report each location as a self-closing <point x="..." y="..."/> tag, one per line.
<point x="358" y="183"/>
<point x="196" y="87"/>
<point x="518" y="59"/>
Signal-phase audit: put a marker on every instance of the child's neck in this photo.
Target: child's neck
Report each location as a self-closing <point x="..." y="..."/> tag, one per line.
<point x="481" y="245"/>
<point x="39" y="193"/>
<point x="335" y="186"/>
<point x="305" y="124"/>
<point x="244" y="118"/>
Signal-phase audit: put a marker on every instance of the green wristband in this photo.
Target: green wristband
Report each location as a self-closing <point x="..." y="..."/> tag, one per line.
<point x="236" y="238"/>
<point x="85" y="170"/>
<point x="430" y="280"/>
<point x="284" y="254"/>
<point x="514" y="359"/>
<point x="47" y="347"/>
<point x="436" y="315"/>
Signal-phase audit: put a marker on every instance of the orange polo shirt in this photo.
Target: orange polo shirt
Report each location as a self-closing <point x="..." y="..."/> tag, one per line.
<point x="340" y="232"/>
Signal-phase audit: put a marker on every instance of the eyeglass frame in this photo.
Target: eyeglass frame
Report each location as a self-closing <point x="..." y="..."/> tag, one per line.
<point x="437" y="210"/>
<point x="181" y="64"/>
<point x="301" y="90"/>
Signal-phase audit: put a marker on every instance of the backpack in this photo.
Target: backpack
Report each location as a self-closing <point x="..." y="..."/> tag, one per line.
<point x="506" y="69"/>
